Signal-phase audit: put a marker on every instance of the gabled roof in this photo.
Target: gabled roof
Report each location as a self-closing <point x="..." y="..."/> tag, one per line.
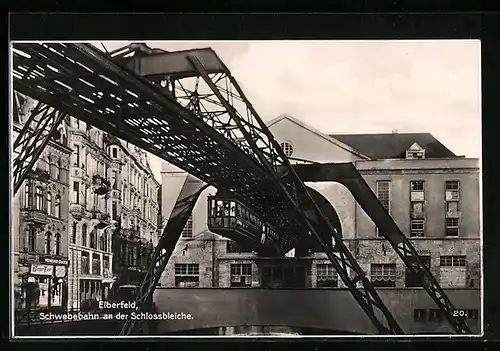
<point x="334" y="141"/>
<point x="394" y="145"/>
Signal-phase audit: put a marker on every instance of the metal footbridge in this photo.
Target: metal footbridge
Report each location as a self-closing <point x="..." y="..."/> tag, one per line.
<point x="186" y="108"/>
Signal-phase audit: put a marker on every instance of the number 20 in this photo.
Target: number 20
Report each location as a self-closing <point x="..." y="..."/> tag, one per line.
<point x="459" y="313"/>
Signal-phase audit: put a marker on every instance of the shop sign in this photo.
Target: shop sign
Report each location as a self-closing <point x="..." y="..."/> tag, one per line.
<point x="60" y="271"/>
<point x="54" y="261"/>
<point x="42" y="269"/>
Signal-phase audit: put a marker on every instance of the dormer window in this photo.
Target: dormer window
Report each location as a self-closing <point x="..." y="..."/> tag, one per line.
<point x="415" y="152"/>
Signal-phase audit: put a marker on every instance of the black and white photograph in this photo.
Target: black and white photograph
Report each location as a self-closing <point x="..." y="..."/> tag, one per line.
<point x="246" y="189"/>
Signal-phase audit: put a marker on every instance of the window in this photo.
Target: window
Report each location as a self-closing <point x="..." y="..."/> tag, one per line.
<point x="39" y="198"/>
<point x="383" y="195"/>
<point x="85" y="263"/>
<point x="413" y="279"/>
<point x="435" y="315"/>
<point x="105" y="265"/>
<point x="73" y="233"/>
<point x="31" y="238"/>
<point x="187" y="275"/>
<point x="417" y="228"/>
<point x="57" y="207"/>
<point x="114" y="211"/>
<point x="287" y="149"/>
<point x="114" y="152"/>
<point x="419" y="315"/>
<point x="84" y="235"/>
<point x="132" y="256"/>
<point x="415" y="155"/>
<point x="77" y="155"/>
<point x="187" y="232"/>
<point x="453" y="185"/>
<point x="383" y="275"/>
<point x="48" y="239"/>
<point x="58" y="170"/>
<point x="452" y="261"/>
<point x="105" y="241"/>
<point x="49" y="204"/>
<point x="96" y="264"/>
<point x="241" y="275"/>
<point x="114" y="183"/>
<point x="76" y="192"/>
<point x="326" y="276"/>
<point x="452" y="226"/>
<point x="27" y="196"/>
<point x="93" y="239"/>
<point x="57" y="245"/>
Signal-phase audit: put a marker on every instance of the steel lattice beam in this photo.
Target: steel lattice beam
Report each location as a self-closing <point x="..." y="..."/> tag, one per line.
<point x="250" y="164"/>
<point x="35" y="134"/>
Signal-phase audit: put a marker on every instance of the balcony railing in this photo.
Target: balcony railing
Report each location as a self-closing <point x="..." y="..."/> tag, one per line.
<point x="37" y="217"/>
<point x="40" y="175"/>
<point x="101" y="185"/>
<point x="77" y="211"/>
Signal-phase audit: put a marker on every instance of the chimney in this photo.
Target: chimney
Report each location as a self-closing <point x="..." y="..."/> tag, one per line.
<point x="395" y="131"/>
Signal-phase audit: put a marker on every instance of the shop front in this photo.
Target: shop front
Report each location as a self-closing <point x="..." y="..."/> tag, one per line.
<point x="44" y="285"/>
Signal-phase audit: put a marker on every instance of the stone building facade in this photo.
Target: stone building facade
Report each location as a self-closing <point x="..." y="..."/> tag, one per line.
<point x="432" y="195"/>
<point x="112" y="191"/>
<point x="39" y="223"/>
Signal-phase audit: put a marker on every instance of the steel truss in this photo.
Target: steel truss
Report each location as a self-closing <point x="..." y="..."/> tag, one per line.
<point x="35" y="134"/>
<point x="226" y="145"/>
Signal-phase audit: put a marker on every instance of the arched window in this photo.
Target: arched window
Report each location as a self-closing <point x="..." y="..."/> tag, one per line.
<point x="84" y="235"/>
<point x="39" y="198"/>
<point x="27" y="197"/>
<point x="49" y="204"/>
<point x="57" y="207"/>
<point x="93" y="239"/>
<point x="57" y="245"/>
<point x="31" y="238"/>
<point x="58" y="170"/>
<point x="48" y="239"/>
<point x="73" y="233"/>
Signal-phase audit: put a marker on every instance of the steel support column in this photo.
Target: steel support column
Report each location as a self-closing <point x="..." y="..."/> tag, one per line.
<point x="189" y="194"/>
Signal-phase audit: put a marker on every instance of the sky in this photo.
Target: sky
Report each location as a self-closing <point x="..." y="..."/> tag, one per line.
<point x="352" y="87"/>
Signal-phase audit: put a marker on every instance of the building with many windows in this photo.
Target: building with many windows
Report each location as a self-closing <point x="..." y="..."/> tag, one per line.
<point x="39" y="223"/>
<point x="432" y="194"/>
<point x="113" y="201"/>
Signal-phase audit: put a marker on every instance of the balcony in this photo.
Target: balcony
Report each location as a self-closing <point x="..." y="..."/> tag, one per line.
<point x="77" y="211"/>
<point x="102" y="217"/>
<point x="37" y="217"/>
<point x="101" y="185"/>
<point x="40" y="175"/>
<point x="453" y="214"/>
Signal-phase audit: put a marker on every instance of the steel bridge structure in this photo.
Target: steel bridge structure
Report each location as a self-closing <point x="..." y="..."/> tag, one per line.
<point x="186" y="108"/>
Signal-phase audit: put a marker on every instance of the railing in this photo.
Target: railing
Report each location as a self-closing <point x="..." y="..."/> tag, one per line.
<point x="37" y="216"/>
